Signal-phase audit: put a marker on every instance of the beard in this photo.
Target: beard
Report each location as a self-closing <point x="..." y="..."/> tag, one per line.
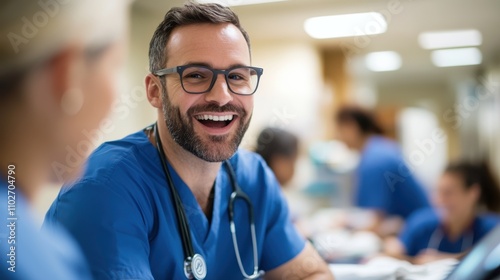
<point x="216" y="148"/>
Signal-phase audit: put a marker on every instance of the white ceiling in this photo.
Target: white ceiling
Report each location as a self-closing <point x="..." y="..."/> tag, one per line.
<point x="284" y="21"/>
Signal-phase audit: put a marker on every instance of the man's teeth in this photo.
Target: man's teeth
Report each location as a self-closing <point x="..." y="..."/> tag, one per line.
<point x="215" y="118"/>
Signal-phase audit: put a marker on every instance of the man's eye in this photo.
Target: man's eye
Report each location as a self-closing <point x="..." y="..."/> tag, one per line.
<point x="237" y="77"/>
<point x="194" y="76"/>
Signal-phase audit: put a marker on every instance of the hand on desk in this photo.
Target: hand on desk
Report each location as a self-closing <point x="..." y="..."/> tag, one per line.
<point x="430" y="255"/>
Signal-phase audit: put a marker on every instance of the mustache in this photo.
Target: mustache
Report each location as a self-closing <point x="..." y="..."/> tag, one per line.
<point x="216" y="109"/>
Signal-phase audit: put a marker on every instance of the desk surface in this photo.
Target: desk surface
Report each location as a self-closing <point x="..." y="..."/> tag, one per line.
<point x="386" y="268"/>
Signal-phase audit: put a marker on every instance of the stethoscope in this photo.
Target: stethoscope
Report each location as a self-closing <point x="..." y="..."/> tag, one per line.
<point x="438" y="235"/>
<point x="194" y="264"/>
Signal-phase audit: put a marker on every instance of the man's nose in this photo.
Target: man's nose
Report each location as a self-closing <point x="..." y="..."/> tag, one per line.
<point x="220" y="93"/>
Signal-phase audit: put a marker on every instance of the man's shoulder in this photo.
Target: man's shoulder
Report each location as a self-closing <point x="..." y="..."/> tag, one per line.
<point x="246" y="161"/>
<point x="246" y="155"/>
<point x="380" y="150"/>
<point x="251" y="170"/>
<point x="487" y="221"/>
<point x="117" y="158"/>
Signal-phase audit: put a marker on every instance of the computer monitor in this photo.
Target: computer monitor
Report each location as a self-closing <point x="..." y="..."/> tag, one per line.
<point x="482" y="262"/>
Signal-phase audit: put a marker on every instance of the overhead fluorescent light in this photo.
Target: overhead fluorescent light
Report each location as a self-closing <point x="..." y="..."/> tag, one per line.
<point x="450" y="39"/>
<point x="238" y="2"/>
<point x="456" y="57"/>
<point x="383" y="61"/>
<point x="347" y="25"/>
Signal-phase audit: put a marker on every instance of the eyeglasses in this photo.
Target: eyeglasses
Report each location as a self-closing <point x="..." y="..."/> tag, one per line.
<point x="196" y="79"/>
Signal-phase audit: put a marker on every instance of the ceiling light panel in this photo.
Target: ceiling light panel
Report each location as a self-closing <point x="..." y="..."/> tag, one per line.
<point x="450" y="39"/>
<point x="347" y="25"/>
<point x="456" y="57"/>
<point x="233" y="3"/>
<point x="383" y="61"/>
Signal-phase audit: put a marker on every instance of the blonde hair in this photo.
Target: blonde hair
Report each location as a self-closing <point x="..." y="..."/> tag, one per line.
<point x="31" y="31"/>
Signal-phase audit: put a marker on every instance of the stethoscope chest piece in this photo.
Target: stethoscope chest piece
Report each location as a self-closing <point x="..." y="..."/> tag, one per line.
<point x="195" y="267"/>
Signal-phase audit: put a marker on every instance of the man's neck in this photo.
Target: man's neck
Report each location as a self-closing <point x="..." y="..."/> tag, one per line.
<point x="199" y="175"/>
<point x="363" y="141"/>
<point x="28" y="168"/>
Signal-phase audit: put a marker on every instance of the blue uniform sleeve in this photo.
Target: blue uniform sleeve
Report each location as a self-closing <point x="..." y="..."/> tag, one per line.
<point x="282" y="241"/>
<point x="109" y="226"/>
<point x="486" y="223"/>
<point x="409" y="237"/>
<point x="416" y="233"/>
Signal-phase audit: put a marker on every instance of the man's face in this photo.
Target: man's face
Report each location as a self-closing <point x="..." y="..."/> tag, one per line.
<point x="454" y="198"/>
<point x="348" y="132"/>
<point x="191" y="119"/>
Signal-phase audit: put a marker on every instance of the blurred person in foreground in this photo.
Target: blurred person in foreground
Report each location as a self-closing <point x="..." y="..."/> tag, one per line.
<point x="161" y="199"/>
<point x="467" y="201"/>
<point x="57" y="68"/>
<point x="379" y="185"/>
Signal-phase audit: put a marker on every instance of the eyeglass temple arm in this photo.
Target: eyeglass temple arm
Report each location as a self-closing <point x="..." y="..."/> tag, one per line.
<point x="166" y="71"/>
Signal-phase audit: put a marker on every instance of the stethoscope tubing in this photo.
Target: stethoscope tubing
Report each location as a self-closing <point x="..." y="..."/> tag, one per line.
<point x="185" y="233"/>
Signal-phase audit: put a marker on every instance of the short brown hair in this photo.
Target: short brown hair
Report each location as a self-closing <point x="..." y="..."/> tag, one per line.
<point x="190" y="13"/>
<point x="363" y="118"/>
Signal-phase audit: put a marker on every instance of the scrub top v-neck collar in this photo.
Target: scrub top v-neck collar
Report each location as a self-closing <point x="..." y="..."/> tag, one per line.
<point x="202" y="229"/>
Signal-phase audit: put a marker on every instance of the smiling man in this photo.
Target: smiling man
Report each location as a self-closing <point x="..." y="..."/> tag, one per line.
<point x="178" y="199"/>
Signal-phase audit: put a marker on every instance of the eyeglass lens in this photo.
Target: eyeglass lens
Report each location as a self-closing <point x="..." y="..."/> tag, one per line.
<point x="241" y="80"/>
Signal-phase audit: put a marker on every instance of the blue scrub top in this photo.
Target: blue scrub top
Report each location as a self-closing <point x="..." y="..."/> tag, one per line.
<point x="420" y="227"/>
<point x="121" y="212"/>
<point x="38" y="254"/>
<point x="384" y="182"/>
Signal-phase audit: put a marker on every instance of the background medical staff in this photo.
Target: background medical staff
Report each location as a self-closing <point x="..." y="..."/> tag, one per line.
<point x="380" y="185"/>
<point x="467" y="205"/>
<point x="56" y="80"/>
<point x="279" y="148"/>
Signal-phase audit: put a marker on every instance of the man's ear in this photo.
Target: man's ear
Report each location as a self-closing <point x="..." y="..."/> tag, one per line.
<point x="475" y="191"/>
<point x="153" y="90"/>
<point x="67" y="70"/>
<point x="56" y="86"/>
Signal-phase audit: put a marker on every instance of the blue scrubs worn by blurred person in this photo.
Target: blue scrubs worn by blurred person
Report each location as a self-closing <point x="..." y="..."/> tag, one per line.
<point x="177" y="199"/>
<point x="467" y="207"/>
<point x="31" y="253"/>
<point x="380" y="184"/>
<point x="54" y="84"/>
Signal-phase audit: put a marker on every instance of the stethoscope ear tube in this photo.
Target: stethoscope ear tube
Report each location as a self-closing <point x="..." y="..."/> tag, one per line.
<point x="237" y="193"/>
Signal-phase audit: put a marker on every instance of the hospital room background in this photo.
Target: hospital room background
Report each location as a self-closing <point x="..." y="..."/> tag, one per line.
<point x="429" y="70"/>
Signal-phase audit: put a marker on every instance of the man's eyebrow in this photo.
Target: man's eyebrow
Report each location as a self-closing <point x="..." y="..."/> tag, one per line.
<point x="198" y="63"/>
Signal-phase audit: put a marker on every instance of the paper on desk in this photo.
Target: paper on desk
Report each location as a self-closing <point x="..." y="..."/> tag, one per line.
<point x="386" y="268"/>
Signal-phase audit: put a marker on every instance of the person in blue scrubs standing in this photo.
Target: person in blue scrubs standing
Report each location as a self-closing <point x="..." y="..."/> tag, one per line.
<point x="384" y="184"/>
<point x="54" y="83"/>
<point x="467" y="206"/>
<point x="158" y="204"/>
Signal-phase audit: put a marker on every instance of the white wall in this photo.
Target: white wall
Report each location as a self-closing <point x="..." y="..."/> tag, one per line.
<point x="290" y="89"/>
<point x="424" y="144"/>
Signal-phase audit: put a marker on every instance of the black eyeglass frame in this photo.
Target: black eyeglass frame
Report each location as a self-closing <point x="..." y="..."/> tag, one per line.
<point x="216" y="72"/>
